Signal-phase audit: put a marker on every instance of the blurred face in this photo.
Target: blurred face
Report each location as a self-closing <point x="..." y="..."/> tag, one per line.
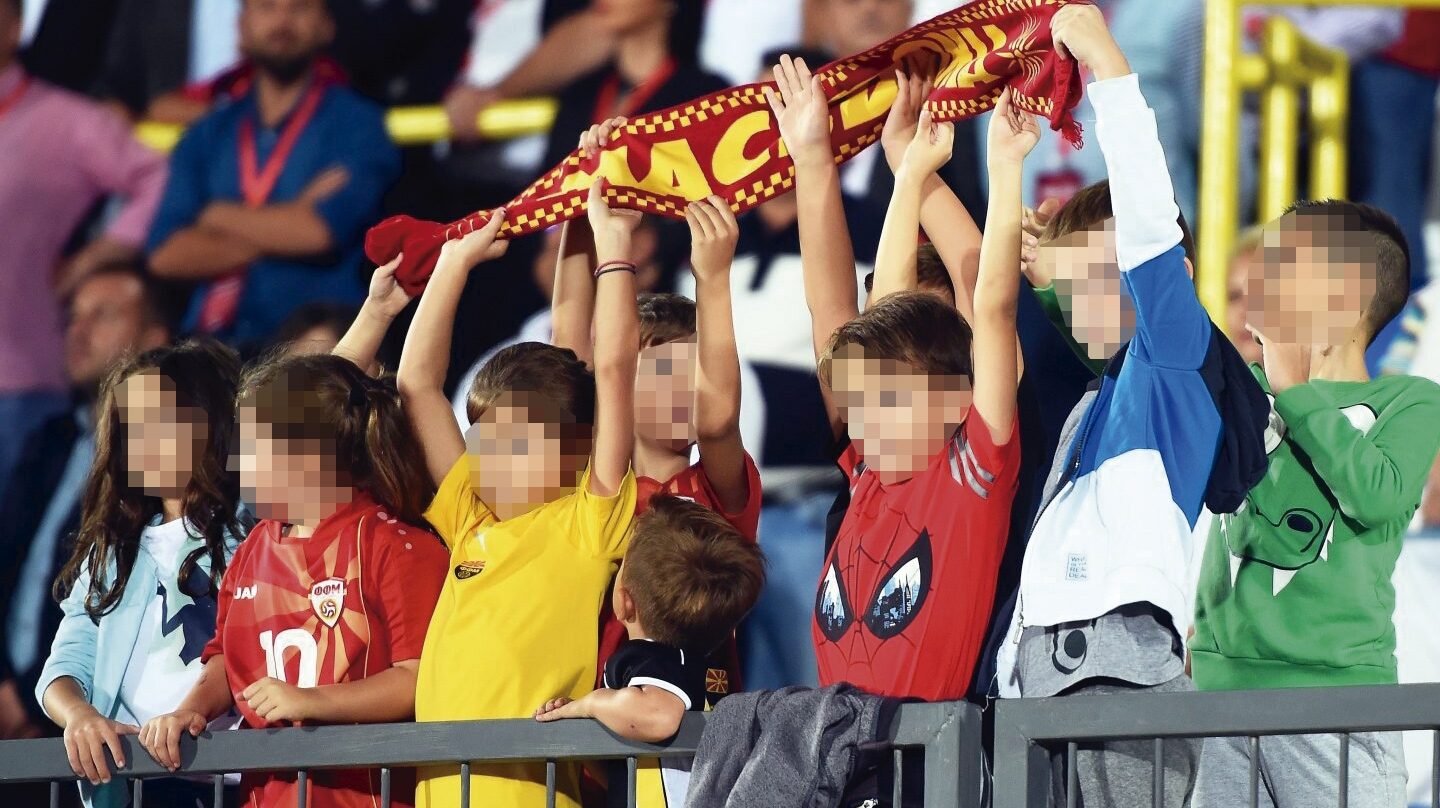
<point x="1311" y="283"/>
<point x="163" y="441"/>
<point x="282" y="36"/>
<point x="518" y="457"/>
<point x="665" y="395"/>
<point x="106" y="322"/>
<point x="293" y="481"/>
<point x="858" y="25"/>
<point x="1087" y="282"/>
<point x="898" y="417"/>
<point x="1237" y="307"/>
<point x="624" y="16"/>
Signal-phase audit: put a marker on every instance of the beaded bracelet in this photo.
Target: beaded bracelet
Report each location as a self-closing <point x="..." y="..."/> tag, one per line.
<point x="614" y="266"/>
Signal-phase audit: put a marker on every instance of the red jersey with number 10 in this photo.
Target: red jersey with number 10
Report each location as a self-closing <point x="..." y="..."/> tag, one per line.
<point x="343" y="604"/>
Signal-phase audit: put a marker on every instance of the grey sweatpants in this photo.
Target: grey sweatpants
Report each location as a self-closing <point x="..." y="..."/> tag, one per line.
<point x="1120" y="774"/>
<point x="1303" y="771"/>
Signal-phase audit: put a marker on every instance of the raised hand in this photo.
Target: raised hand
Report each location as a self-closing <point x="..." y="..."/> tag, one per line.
<point x="385" y="296"/>
<point x="592" y="140"/>
<point x="930" y="148"/>
<point x="1013" y="132"/>
<point x="801" y="111"/>
<point x="713" y="233"/>
<point x="912" y="88"/>
<point x="1032" y="225"/>
<point x="1080" y="31"/>
<point x="612" y="226"/>
<point x="479" y="245"/>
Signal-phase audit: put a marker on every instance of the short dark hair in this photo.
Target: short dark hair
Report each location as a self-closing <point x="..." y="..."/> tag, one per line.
<point x="930" y="272"/>
<point x="335" y="316"/>
<point x="693" y="577"/>
<point x="1091" y="206"/>
<point x="1392" y="250"/>
<point x="916" y="328"/>
<point x="153" y="299"/>
<point x="555" y="375"/>
<point x="665" y="317"/>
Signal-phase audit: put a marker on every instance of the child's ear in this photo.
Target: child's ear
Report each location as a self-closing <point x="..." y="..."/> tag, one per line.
<point x="624" y="604"/>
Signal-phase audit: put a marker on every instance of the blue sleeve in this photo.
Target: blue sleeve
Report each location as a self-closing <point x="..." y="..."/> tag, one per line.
<point x="186" y="194"/>
<point x="1172" y="329"/>
<point x="73" y="651"/>
<point x="373" y="163"/>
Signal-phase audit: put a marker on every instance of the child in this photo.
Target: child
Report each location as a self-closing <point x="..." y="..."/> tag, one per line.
<point x="931" y="474"/>
<point x="533" y="540"/>
<point x="687" y="387"/>
<point x="324" y="609"/>
<point x="1102" y="601"/>
<point x="1295" y="587"/>
<point x="160" y="522"/>
<point x="688" y="579"/>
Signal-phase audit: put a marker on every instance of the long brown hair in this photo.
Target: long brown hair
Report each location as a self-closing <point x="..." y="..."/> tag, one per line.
<point x="328" y="400"/>
<point x="204" y="375"/>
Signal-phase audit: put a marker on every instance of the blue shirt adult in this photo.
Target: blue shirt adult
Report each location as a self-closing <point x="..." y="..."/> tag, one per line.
<point x="347" y="131"/>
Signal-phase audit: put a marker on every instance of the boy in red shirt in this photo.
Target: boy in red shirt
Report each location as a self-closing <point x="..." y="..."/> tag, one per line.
<point x="935" y="454"/>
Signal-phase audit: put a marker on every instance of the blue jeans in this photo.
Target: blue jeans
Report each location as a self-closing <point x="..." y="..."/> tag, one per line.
<point x="775" y="645"/>
<point x="1392" y="122"/>
<point x="22" y="414"/>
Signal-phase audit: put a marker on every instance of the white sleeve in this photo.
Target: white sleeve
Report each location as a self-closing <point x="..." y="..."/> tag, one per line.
<point x="1140" y="190"/>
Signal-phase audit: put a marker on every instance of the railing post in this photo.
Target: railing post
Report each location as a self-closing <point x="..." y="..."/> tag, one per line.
<point x="1023" y="777"/>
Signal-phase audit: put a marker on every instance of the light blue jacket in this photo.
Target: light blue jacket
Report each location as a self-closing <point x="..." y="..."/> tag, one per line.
<point x="95" y="652"/>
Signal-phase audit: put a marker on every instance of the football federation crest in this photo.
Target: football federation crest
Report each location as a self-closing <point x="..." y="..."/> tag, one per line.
<point x="327" y="598"/>
<point x="469" y="569"/>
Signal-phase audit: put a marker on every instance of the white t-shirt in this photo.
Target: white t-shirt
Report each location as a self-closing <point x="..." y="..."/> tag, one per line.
<point x="165" y="662"/>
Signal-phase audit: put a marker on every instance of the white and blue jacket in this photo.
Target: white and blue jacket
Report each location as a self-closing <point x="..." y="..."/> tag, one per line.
<point x="1118" y="530"/>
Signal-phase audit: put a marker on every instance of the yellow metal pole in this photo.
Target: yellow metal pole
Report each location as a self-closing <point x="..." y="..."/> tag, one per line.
<point x="1279" y="119"/>
<point x="1219" y="153"/>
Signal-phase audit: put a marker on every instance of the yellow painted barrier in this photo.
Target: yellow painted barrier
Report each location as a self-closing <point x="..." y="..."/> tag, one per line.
<point x="410" y="126"/>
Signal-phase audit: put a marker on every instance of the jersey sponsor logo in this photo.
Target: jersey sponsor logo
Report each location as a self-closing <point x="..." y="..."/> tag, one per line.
<point x="327" y="598"/>
<point x="469" y="569"/>
<point x="246" y="592"/>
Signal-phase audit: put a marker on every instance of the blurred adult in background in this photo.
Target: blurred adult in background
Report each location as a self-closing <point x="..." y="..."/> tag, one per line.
<point x="60" y="154"/>
<point x="269" y="196"/>
<point x="112" y="313"/>
<point x="314" y="328"/>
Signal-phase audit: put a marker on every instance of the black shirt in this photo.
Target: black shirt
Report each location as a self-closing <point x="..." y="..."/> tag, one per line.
<point x="644" y="662"/>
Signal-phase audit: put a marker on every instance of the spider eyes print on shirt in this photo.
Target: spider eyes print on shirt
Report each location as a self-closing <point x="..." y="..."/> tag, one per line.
<point x="892" y="607"/>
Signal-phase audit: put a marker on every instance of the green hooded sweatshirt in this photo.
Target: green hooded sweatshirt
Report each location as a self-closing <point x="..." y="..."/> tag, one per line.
<point x="1294" y="588"/>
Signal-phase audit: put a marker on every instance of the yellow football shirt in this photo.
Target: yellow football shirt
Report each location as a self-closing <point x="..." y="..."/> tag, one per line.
<point x="516" y="625"/>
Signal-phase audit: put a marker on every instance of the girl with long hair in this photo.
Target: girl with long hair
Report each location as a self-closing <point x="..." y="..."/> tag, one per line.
<point x="159" y="523"/>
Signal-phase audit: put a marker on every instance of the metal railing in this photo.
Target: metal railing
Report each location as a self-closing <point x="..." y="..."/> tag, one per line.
<point x="948" y="733"/>
<point x="1030" y="732"/>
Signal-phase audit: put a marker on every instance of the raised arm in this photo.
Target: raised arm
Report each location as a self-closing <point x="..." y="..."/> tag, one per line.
<point x="929" y="149"/>
<point x="943" y="217"/>
<point x="617" y="344"/>
<point x="385" y="301"/>
<point x="572" y="303"/>
<point x="426" y="356"/>
<point x="713" y="233"/>
<point x="826" y="256"/>
<point x="1012" y="135"/>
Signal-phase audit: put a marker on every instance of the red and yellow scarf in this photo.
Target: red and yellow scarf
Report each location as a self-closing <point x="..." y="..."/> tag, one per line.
<point x="728" y="143"/>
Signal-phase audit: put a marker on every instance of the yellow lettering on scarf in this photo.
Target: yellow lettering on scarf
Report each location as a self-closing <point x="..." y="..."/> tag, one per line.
<point x="869" y="104"/>
<point x="673" y="170"/>
<point x="731" y="164"/>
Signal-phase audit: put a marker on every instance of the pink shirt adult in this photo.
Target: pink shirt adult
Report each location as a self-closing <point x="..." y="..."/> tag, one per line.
<point x="59" y="153"/>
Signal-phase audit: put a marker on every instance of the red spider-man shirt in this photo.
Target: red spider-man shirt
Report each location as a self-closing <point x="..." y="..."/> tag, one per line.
<point x="926" y="549"/>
